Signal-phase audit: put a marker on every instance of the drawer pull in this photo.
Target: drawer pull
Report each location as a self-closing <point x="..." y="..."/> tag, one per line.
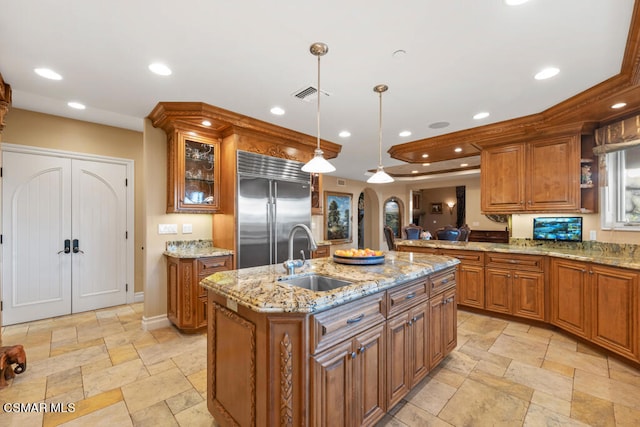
<point x="355" y="319"/>
<point x="362" y="349"/>
<point x="411" y="295"/>
<point x="353" y="354"/>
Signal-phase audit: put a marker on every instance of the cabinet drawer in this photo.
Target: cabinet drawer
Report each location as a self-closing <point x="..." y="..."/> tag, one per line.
<point x="520" y="262"/>
<point x="443" y="280"/>
<point x="337" y="324"/>
<point x="466" y="257"/>
<point x="407" y="295"/>
<point x="210" y="265"/>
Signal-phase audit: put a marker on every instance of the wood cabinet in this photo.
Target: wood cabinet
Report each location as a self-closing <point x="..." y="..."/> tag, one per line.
<point x="470" y="283"/>
<point x="323" y="251"/>
<point x="186" y="299"/>
<point x="347" y="381"/>
<point x="316" y="194"/>
<point x="193" y="173"/>
<point x="533" y="176"/>
<point x="597" y="302"/>
<point x="515" y="284"/>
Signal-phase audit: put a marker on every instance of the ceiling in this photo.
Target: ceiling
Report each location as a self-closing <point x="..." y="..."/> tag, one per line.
<point x="460" y="58"/>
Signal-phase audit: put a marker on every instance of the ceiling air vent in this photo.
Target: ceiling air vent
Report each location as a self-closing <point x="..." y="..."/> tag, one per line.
<point x="308" y="94"/>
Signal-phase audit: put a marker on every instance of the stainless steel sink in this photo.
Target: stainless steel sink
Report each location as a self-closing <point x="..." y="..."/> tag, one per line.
<point x="314" y="282"/>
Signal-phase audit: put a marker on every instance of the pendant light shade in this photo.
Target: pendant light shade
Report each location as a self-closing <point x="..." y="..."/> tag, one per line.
<point x="380" y="177"/>
<point x="318" y="164"/>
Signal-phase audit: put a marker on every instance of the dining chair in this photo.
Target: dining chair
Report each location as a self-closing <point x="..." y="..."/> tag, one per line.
<point x="447" y="233"/>
<point x="412" y="232"/>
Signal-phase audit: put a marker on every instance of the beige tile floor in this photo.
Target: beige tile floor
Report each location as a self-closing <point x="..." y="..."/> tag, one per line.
<point x="503" y="373"/>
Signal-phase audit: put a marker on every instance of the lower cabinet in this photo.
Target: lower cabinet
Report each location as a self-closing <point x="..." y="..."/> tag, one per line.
<point x="515" y="284"/>
<point x="348" y="381"/>
<point x="443" y="322"/>
<point x="599" y="303"/>
<point x="470" y="284"/>
<point x="186" y="299"/>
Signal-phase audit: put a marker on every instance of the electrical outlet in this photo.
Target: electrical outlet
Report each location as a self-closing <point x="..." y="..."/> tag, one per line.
<point x="592" y="235"/>
<point x="167" y="228"/>
<point x="187" y="228"/>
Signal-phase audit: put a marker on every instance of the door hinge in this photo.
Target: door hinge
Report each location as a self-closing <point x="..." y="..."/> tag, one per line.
<point x="126" y="287"/>
<point x="0" y="239"/>
<point x="126" y="182"/>
<point x="0" y="172"/>
<point x="1" y="305"/>
<point x="126" y="234"/>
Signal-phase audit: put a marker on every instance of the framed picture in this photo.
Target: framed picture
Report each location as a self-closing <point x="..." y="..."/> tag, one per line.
<point x="337" y="217"/>
<point x="436" y="208"/>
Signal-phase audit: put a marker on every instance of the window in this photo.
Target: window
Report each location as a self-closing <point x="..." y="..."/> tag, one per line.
<point x="392" y="215"/>
<point x="620" y="204"/>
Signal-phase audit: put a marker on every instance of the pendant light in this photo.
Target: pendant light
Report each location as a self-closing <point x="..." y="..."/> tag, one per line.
<point x="318" y="164"/>
<point x="380" y="177"/>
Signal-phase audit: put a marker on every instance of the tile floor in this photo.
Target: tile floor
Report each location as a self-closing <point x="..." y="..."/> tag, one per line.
<point x="503" y="373"/>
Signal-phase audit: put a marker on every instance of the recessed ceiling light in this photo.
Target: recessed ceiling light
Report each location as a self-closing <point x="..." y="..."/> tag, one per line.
<point x="277" y="111"/>
<point x="47" y="73"/>
<point x="405" y="133"/>
<point x="160" y="69"/>
<point x="414" y="171"/>
<point x="482" y="115"/>
<point x="547" y="73"/>
<point x="192" y="133"/>
<point x="424" y="156"/>
<point x="206" y="123"/>
<point x="619" y="105"/>
<point x="515" y="2"/>
<point x="439" y="125"/>
<point x="400" y="53"/>
<point x="464" y="165"/>
<point x="76" y="105"/>
<point x="426" y="164"/>
<point x="458" y="150"/>
<point x="344" y="134"/>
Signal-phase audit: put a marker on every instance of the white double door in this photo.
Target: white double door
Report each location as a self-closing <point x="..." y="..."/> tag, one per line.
<point x="64" y="231"/>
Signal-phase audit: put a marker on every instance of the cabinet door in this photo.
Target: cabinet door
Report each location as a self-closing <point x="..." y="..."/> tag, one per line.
<point x="332" y="386"/>
<point x="570" y="296"/>
<point x="173" y="280"/>
<point x="471" y="285"/>
<point x="397" y="358"/>
<point x="369" y="379"/>
<point x="436" y="337"/>
<point x="553" y="174"/>
<point x="614" y="310"/>
<point x="502" y="179"/>
<point x="449" y="321"/>
<point x="528" y="294"/>
<point x="498" y="290"/>
<point x="419" y="334"/>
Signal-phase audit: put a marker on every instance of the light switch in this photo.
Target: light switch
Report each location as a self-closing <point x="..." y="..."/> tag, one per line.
<point x="187" y="228"/>
<point x="592" y="235"/>
<point x="167" y="228"/>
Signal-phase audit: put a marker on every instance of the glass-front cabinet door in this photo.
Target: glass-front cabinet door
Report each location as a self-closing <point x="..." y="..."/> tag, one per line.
<point x="194" y="174"/>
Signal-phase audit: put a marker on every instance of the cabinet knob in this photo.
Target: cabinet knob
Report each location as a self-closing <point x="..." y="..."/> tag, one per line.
<point x="353" y="354"/>
<point x="410" y="322"/>
<point x="362" y="349"/>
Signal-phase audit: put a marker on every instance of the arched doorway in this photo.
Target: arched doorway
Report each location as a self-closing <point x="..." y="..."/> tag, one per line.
<point x="369" y="221"/>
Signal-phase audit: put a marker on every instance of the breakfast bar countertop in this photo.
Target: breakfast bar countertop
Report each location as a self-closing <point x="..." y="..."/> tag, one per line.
<point x="259" y="289"/>
<point x="194" y="249"/>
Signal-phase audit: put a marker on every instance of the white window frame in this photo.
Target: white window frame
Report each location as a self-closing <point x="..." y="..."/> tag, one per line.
<point x="612" y="196"/>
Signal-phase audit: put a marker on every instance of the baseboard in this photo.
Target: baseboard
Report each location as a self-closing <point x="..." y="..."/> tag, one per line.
<point x="155" y="322"/>
<point x="138" y="297"/>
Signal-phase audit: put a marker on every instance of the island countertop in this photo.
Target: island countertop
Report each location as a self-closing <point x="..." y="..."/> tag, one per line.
<point x="259" y="289"/>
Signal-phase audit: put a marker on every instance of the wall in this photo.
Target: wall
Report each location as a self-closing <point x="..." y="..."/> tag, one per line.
<point x="155" y="206"/>
<point x="375" y="195"/>
<point x="43" y="130"/>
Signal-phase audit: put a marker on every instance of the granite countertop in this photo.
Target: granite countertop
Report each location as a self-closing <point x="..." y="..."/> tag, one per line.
<point x="258" y="288"/>
<point x="194" y="249"/>
<point x="627" y="256"/>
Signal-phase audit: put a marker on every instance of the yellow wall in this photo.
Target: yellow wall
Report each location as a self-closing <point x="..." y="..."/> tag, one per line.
<point x="46" y="131"/>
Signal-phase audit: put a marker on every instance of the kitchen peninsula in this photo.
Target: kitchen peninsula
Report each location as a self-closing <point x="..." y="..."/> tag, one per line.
<point x="589" y="289"/>
<point x="284" y="355"/>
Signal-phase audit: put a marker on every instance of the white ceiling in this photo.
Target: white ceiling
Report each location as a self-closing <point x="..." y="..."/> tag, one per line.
<point x="462" y="57"/>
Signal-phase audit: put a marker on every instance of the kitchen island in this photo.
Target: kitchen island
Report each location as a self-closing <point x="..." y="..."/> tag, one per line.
<point x="284" y="355"/>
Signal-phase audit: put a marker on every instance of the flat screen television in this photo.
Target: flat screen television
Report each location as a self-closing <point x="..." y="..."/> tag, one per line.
<point x="558" y="229"/>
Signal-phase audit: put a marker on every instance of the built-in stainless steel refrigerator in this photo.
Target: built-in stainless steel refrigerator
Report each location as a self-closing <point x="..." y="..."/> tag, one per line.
<point x="273" y="195"/>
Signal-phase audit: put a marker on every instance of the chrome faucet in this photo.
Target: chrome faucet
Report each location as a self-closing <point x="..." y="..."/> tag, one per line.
<point x="290" y="264"/>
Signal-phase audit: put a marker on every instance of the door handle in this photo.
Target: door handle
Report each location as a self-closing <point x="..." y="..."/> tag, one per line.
<point x="76" y="248"/>
<point x="67" y="247"/>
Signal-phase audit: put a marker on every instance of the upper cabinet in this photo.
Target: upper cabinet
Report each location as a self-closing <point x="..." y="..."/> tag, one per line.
<point x="537" y="175"/>
<point x="193" y="173"/>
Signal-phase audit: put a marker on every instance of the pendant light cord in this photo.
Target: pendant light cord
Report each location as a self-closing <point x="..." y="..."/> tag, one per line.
<point x="318" y="112"/>
<point x="380" y="132"/>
